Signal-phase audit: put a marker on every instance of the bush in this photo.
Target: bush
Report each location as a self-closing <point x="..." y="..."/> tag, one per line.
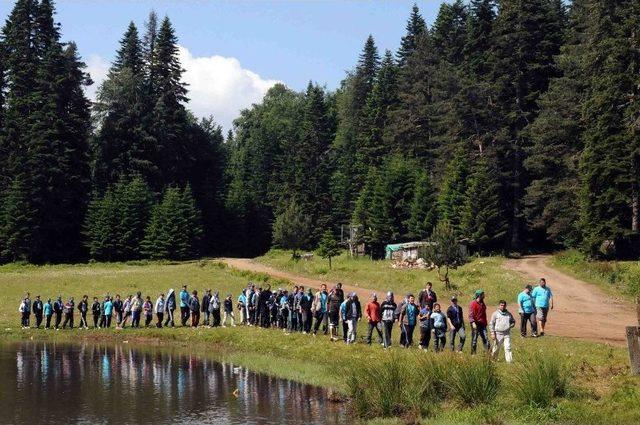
<point x="473" y="381"/>
<point x="539" y="380"/>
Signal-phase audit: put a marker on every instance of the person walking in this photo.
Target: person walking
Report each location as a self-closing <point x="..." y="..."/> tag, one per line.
<point x="478" y="321"/>
<point x="242" y="306"/>
<point x="38" y="309"/>
<point x="353" y="315"/>
<point x="319" y="308"/>
<point x="500" y="328"/>
<point x="228" y="312"/>
<point x="373" y="313"/>
<point x="48" y="313"/>
<point x="23" y="315"/>
<point x="427" y="297"/>
<point x="455" y="319"/>
<point x="206" y="299"/>
<point x="527" y="311"/>
<point x="439" y="325"/>
<point x="107" y="307"/>
<point x="136" y="310"/>
<point x="214" y="309"/>
<point x="334" y="301"/>
<point x="26" y="312"/>
<point x="194" y="306"/>
<point x="159" y="309"/>
<point x="408" y="319"/>
<point x="147" y="309"/>
<point x="184" y="305"/>
<point x="343" y="319"/>
<point x="83" y="308"/>
<point x="126" y="312"/>
<point x="95" y="310"/>
<point x="424" y="321"/>
<point x="388" y="310"/>
<point x="543" y="302"/>
<point x="58" y="306"/>
<point x="169" y="308"/>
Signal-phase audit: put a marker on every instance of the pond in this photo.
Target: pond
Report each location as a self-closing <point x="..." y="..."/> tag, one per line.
<point x="67" y="383"/>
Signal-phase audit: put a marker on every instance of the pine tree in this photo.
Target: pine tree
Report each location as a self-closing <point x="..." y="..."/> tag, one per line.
<point x="292" y="229"/>
<point x="415" y="28"/>
<point x="482" y="219"/>
<point x="451" y="199"/>
<point x="449" y="32"/>
<point x="424" y="208"/>
<point x="479" y="36"/>
<point x="101" y="227"/>
<point x="328" y="246"/>
<point x="134" y="201"/>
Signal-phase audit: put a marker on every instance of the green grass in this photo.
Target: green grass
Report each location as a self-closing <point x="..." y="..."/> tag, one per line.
<point x="486" y="273"/>
<point x="600" y="385"/>
<point x="617" y="278"/>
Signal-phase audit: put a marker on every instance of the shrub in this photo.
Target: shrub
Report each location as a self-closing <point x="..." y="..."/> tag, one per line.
<point x="539" y="380"/>
<point x="473" y="380"/>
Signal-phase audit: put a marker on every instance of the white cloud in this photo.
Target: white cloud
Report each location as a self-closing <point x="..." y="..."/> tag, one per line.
<point x="98" y="68"/>
<point x="218" y="85"/>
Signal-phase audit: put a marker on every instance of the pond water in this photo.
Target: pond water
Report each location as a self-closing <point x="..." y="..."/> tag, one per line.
<point x="47" y="383"/>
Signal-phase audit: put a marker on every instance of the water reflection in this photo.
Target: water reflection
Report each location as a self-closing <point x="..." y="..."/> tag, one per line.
<point x="91" y="383"/>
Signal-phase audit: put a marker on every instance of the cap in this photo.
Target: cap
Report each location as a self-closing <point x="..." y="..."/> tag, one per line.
<point x="454" y="298"/>
<point x="478" y="293"/>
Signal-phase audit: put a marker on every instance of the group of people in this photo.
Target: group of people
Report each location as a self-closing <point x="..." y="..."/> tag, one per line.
<point x="300" y="310"/>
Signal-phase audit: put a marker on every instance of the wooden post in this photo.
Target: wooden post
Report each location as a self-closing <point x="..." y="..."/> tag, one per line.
<point x="633" y="342"/>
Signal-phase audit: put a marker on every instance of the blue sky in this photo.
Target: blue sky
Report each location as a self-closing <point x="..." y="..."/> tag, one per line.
<point x="267" y="41"/>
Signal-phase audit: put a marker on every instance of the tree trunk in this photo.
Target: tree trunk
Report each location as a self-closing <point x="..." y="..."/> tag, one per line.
<point x="635" y="209"/>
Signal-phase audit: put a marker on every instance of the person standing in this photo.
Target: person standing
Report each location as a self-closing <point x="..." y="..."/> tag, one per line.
<point x="228" y="312"/>
<point x="408" y="319"/>
<point x="147" y="308"/>
<point x="214" y="309"/>
<point x="68" y="309"/>
<point x="439" y="325"/>
<point x="306" y="303"/>
<point x="424" y="320"/>
<point x="478" y="321"/>
<point x="95" y="310"/>
<point x="118" y="308"/>
<point x="206" y="299"/>
<point x="108" y="311"/>
<point x="388" y="310"/>
<point x="38" y="310"/>
<point x="319" y="309"/>
<point x="543" y="302"/>
<point x="500" y="327"/>
<point x="297" y="300"/>
<point x="373" y="313"/>
<point x="184" y="305"/>
<point x="83" y="308"/>
<point x="23" y="315"/>
<point x="242" y="307"/>
<point x="159" y="308"/>
<point x="343" y="318"/>
<point x="455" y="319"/>
<point x="26" y="314"/>
<point x="136" y="310"/>
<point x="527" y="310"/>
<point x="427" y="297"/>
<point x="194" y="306"/>
<point x="48" y="313"/>
<point x="333" y="305"/>
<point x="58" y="306"/>
<point x="354" y="313"/>
<point x="170" y="307"/>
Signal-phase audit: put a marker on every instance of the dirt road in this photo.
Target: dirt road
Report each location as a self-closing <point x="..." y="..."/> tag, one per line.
<point x="250" y="265"/>
<point x="581" y="310"/>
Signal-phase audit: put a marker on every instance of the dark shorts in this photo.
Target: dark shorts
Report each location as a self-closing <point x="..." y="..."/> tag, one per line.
<point x="334" y="318"/>
<point x="542" y="313"/>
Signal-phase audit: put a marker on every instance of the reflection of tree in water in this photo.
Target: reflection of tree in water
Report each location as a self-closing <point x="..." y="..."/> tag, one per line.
<point x="110" y="383"/>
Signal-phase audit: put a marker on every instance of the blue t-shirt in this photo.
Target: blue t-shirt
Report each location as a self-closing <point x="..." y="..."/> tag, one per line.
<point x="525" y="302"/>
<point x="48" y="309"/>
<point x="542" y="296"/>
<point x="412" y="314"/>
<point x="323" y="302"/>
<point x="108" y="307"/>
<point x="184" y="298"/>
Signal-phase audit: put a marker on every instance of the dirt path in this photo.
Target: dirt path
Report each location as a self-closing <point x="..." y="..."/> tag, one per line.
<point x="582" y="310"/>
<point x="250" y="265"/>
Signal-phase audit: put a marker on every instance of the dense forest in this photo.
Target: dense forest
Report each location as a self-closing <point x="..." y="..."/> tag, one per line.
<point x="515" y="121"/>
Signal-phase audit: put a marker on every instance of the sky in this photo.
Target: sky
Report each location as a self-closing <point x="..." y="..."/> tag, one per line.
<point x="233" y="51"/>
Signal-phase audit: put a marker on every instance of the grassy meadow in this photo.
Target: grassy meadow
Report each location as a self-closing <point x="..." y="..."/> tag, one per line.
<point x="583" y="382"/>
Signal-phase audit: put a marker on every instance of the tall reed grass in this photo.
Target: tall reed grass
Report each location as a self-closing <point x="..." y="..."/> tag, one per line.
<point x="538" y="381"/>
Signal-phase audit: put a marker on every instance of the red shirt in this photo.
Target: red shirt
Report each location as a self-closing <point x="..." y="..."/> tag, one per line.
<point x="478" y="313"/>
<point x="372" y="311"/>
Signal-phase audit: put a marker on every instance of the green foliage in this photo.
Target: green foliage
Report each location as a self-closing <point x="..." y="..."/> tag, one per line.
<point x="541" y="380"/>
<point x="473" y="381"/>
<point x="292" y="228"/>
<point x="451" y="200"/>
<point x="444" y="251"/>
<point x="328" y="246"/>
<point x="175" y="229"/>
<point x="424" y="208"/>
